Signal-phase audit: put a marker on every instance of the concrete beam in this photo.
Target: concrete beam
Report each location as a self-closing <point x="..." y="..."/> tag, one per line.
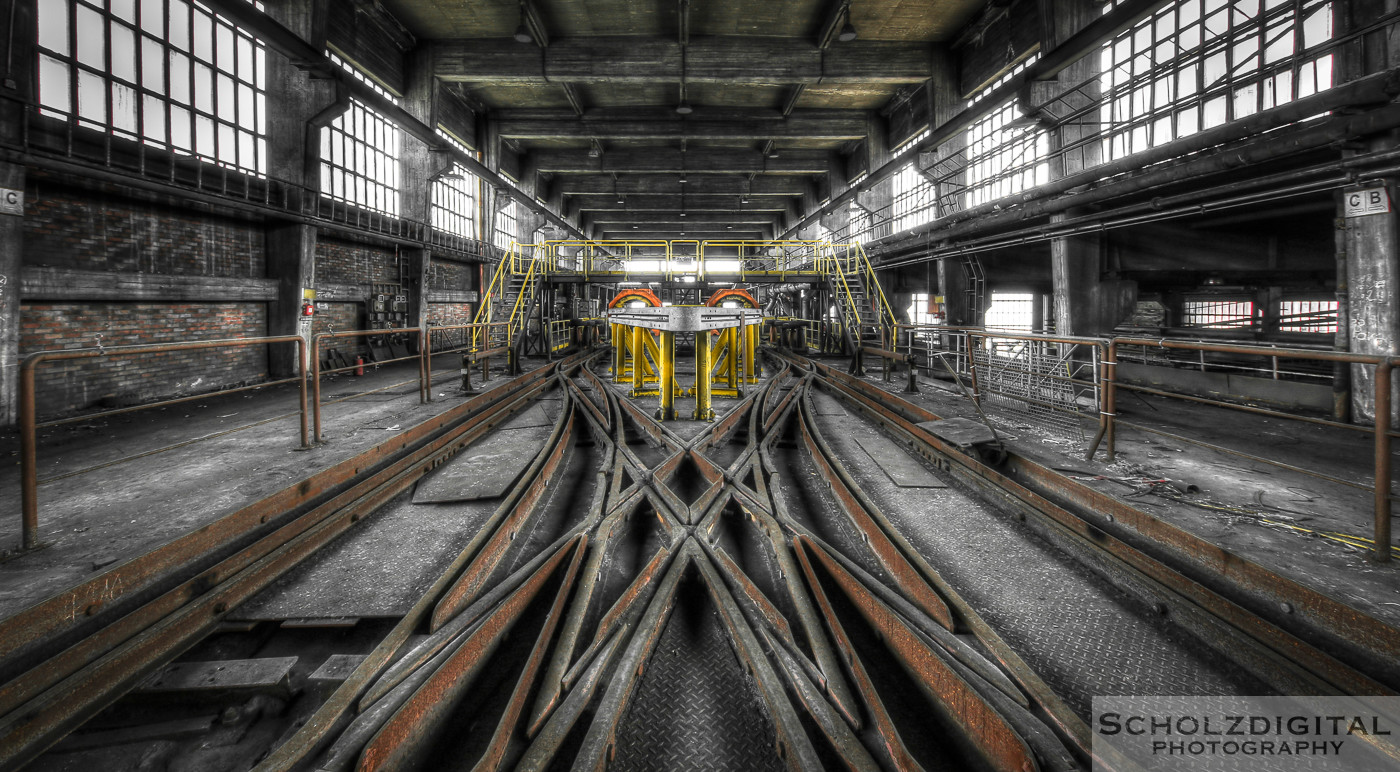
<point x="747" y="60"/>
<point x="834" y="125"/>
<point x="664" y="203"/>
<point x="645" y="160"/>
<point x="721" y="218"/>
<point x="669" y="184"/>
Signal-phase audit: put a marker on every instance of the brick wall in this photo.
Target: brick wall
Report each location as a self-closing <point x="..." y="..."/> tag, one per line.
<point x="63" y="387"/>
<point x="449" y="314"/>
<point x="340" y="317"/>
<point x="340" y="262"/>
<point x="90" y="231"/>
<point x="451" y="276"/>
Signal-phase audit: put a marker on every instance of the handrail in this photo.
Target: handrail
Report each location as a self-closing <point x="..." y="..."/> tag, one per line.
<point x="1108" y="384"/>
<point x="316" y="372"/>
<point x="28" y="424"/>
<point x="887" y="318"/>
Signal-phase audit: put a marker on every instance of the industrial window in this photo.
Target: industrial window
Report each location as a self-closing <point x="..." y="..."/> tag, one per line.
<point x="859" y="229"/>
<point x="1196" y="64"/>
<point x="454" y="197"/>
<point x="1011" y="311"/>
<point x="920" y="311"/>
<point x="1318" y="316"/>
<point x="168" y="73"/>
<point x="1006" y="153"/>
<point x="915" y="197"/>
<point x="507" y="224"/>
<point x="1218" y="314"/>
<point x="360" y="154"/>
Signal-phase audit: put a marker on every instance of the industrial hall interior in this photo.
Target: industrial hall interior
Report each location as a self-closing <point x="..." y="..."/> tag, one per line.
<point x="849" y="385"/>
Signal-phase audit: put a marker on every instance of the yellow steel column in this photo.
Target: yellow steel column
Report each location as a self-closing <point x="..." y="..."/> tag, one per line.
<point x="750" y="353"/>
<point x="703" y="411"/>
<point x="638" y="359"/>
<point x="667" y="411"/>
<point x="620" y="342"/>
<point x="731" y="370"/>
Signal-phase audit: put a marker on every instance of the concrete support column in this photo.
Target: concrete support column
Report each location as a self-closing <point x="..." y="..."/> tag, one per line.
<point x="420" y="163"/>
<point x="1373" y="295"/>
<point x="1086" y="303"/>
<point x="11" y="262"/>
<point x="952" y="285"/>
<point x="294" y="99"/>
<point x="291" y="260"/>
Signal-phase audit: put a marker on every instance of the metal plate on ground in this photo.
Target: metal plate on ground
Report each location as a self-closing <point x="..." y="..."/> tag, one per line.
<point x="695" y="707"/>
<point x="487" y="469"/>
<point x="827" y="405"/>
<point x="904" y="470"/>
<point x="962" y="432"/>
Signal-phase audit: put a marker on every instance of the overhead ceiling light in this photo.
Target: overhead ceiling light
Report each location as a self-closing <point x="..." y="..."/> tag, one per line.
<point x="682" y="214"/>
<point x="729" y="227"/>
<point x="522" y="33"/>
<point x="773" y="153"/>
<point x="682" y="179"/>
<point x="744" y="200"/>
<point x="634" y="227"/>
<point x="847" y="33"/>
<point x="684" y="108"/>
<point x="594" y="152"/>
<point x="621" y="199"/>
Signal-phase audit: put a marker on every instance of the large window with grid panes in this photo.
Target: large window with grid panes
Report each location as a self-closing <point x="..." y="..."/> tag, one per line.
<point x="1196" y="64"/>
<point x="914" y="196"/>
<point x="167" y="73"/>
<point x="454" y="196"/>
<point x="360" y="153"/>
<point x="1006" y="152"/>
<point x="507" y="224"/>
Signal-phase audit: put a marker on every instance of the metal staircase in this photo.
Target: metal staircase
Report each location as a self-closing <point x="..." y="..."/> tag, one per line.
<point x="511" y="298"/>
<point x="866" y="315"/>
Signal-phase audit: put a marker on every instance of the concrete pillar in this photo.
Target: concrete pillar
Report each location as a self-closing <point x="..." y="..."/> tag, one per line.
<point x="291" y="260"/>
<point x="878" y="200"/>
<point x="1086" y="303"/>
<point x="420" y="263"/>
<point x="11" y="261"/>
<point x="418" y="162"/>
<point x="1373" y="295"/>
<point x="952" y="285"/>
<point x="294" y="99"/>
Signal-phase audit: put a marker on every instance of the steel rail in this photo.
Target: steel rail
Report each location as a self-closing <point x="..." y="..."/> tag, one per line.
<point x="47" y="702"/>
<point x="1091" y="521"/>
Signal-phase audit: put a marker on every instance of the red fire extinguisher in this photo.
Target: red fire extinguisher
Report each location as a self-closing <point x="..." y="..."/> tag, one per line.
<point x="360" y="365"/>
<point x="308" y="309"/>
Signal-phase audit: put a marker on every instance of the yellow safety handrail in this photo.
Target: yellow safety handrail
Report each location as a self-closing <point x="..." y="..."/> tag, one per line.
<point x="485" y="310"/>
<point x="885" y="312"/>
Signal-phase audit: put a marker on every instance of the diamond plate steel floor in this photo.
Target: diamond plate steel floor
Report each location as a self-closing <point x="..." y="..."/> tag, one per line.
<point x="695" y="708"/>
<point x="1082" y="635"/>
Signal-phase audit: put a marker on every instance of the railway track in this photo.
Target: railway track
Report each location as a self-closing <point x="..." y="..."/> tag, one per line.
<point x="815" y="580"/>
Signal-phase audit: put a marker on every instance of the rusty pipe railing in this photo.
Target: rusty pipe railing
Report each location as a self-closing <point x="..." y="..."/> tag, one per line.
<point x="317" y="372"/>
<point x="474" y="344"/>
<point x="29" y="425"/>
<point x="1107" y="433"/>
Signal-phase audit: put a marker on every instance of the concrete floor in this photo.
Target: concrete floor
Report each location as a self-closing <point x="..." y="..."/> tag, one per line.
<point x="1236" y="496"/>
<point x="109" y="510"/>
<point x="99" y="509"/>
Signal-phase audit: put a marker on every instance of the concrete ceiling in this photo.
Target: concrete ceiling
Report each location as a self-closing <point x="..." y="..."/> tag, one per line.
<point x="765" y="77"/>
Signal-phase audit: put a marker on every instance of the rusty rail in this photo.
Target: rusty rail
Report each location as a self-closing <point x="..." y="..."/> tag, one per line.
<point x="29" y="426"/>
